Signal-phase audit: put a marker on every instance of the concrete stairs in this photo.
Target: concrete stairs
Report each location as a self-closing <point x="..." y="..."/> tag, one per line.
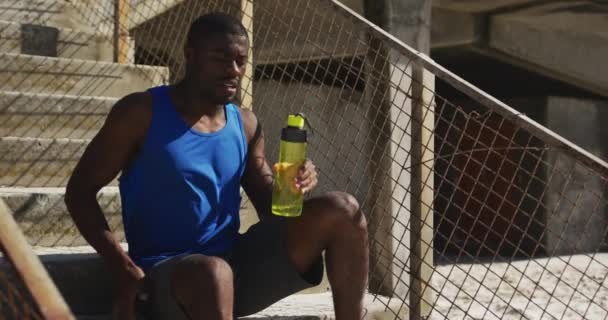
<point x="42" y="215"/>
<point x="38" y="162"/>
<point x="51" y="116"/>
<point x="41" y="12"/>
<point x="50" y="108"/>
<point x="36" y="74"/>
<point x="90" y="296"/>
<point x="74" y="44"/>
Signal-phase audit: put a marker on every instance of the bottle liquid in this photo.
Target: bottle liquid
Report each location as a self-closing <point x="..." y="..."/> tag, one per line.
<point x="287" y="200"/>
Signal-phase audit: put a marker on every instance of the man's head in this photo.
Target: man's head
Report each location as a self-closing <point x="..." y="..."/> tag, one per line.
<point x="216" y="56"/>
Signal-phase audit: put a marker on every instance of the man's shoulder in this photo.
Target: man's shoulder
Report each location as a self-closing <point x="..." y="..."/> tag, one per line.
<point x="248" y="116"/>
<point x="250" y="122"/>
<point x="137" y="101"/>
<point x="134" y="107"/>
<point x="131" y="115"/>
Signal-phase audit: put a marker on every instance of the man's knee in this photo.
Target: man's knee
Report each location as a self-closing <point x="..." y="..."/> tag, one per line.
<point x="198" y="273"/>
<point x="347" y="209"/>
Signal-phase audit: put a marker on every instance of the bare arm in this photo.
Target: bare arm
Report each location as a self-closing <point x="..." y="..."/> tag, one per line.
<point x="258" y="178"/>
<point x="109" y="152"/>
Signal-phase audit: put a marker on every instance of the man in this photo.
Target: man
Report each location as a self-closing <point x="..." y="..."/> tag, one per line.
<point x="184" y="151"/>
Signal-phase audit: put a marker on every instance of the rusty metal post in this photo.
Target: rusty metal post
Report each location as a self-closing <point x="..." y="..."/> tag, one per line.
<point x="30" y="269"/>
<point x="121" y="31"/>
<point x="422" y="186"/>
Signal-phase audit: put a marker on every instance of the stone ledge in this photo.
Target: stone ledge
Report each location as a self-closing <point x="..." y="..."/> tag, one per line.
<point x="77" y="270"/>
<point x="43" y="217"/>
<point x="551" y="39"/>
<point x="71" y="43"/>
<point x="44" y="220"/>
<point x="37" y="74"/>
<point x="318" y="306"/>
<point x="42" y="12"/>
<point x="34" y="162"/>
<point x="52" y="115"/>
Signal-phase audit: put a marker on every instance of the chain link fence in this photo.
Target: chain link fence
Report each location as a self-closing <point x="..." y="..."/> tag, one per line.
<point x="474" y="210"/>
<point x="15" y="300"/>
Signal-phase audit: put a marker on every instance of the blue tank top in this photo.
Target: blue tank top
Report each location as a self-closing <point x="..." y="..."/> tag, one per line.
<point x="181" y="194"/>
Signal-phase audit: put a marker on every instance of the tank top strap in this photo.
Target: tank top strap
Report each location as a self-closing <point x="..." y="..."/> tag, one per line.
<point x="233" y="113"/>
<point x="234" y="116"/>
<point x="161" y="98"/>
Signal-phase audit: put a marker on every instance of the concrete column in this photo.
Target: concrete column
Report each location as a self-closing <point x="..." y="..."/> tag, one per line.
<point x="401" y="194"/>
<point x="575" y="199"/>
<point x="572" y="216"/>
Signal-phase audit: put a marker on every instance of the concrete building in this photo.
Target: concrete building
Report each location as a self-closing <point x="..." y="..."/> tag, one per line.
<point x="546" y="59"/>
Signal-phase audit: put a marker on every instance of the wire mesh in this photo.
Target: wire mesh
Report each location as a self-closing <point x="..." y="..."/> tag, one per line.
<point x="510" y="219"/>
<point x="15" y="300"/>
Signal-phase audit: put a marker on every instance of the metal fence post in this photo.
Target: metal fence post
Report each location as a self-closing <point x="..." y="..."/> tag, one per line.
<point x="121" y="30"/>
<point x="246" y="90"/>
<point x="30" y="269"/>
<point x="421" y="219"/>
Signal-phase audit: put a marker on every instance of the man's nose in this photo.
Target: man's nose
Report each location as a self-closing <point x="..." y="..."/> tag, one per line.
<point x="234" y="70"/>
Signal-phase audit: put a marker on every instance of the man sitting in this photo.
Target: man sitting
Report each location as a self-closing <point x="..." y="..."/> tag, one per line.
<point x="184" y="152"/>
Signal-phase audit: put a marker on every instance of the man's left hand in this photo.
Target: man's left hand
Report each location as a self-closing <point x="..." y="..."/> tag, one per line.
<point x="306" y="180"/>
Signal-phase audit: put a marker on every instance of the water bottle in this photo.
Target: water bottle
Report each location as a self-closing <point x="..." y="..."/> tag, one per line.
<point x="287" y="200"/>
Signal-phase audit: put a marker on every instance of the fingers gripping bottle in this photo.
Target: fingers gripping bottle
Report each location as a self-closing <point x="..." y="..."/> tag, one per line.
<point x="287" y="199"/>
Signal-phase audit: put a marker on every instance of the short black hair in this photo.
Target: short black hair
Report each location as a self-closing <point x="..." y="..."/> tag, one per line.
<point x="214" y="23"/>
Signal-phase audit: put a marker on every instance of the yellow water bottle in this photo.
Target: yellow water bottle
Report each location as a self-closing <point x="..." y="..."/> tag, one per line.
<point x="287" y="200"/>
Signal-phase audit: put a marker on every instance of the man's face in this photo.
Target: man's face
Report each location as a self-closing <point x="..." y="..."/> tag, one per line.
<point x="218" y="64"/>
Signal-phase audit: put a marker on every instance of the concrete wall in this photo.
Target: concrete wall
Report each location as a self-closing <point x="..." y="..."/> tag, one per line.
<point x="284" y="31"/>
<point x="566" y="40"/>
<point x="574" y="198"/>
<point x="337" y="116"/>
<point x="161" y="40"/>
<point x="561" y="40"/>
<point x="519" y="48"/>
<point x="577" y="218"/>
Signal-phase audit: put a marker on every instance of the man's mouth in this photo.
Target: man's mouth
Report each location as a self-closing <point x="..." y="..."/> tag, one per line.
<point x="230" y="86"/>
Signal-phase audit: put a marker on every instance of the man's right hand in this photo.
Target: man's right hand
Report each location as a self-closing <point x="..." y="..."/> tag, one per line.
<point x="127" y="284"/>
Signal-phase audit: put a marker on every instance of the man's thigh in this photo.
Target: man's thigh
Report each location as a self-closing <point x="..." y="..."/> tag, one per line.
<point x="263" y="272"/>
<point x="162" y="304"/>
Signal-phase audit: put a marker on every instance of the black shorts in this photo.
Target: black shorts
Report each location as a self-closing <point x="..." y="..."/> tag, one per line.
<point x="262" y="272"/>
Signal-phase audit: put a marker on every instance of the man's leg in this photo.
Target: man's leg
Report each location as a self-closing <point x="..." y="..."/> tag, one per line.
<point x="334" y="223"/>
<point x="203" y="287"/>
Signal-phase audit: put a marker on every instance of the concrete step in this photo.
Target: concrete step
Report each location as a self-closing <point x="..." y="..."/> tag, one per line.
<point x="87" y="15"/>
<point x="38" y="162"/>
<point x="70" y="43"/>
<point x="44" y="220"/>
<point x="52" y="116"/>
<point x="85" y="283"/>
<point x="47" y="12"/>
<point x="37" y="74"/>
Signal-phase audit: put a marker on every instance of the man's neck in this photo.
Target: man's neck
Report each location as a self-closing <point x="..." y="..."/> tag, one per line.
<point x="190" y="102"/>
